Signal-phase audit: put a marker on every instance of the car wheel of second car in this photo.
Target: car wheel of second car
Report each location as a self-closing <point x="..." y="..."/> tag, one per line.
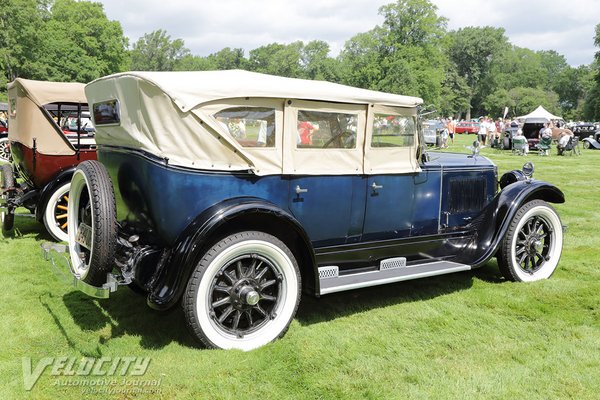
<point x="243" y="293"/>
<point x="92" y="225"/>
<point x="55" y="214"/>
<point x="7" y="213"/>
<point x="4" y="149"/>
<point x="532" y="246"/>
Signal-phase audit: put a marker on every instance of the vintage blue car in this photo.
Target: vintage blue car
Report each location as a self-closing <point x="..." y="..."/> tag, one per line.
<point x="235" y="192"/>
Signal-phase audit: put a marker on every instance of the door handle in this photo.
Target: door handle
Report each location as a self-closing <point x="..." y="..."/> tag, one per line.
<point x="300" y="190"/>
<point x="375" y="186"/>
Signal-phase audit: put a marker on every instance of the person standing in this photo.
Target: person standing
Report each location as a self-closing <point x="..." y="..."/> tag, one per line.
<point x="451" y="126"/>
<point x="491" y="131"/>
<point x="482" y="134"/>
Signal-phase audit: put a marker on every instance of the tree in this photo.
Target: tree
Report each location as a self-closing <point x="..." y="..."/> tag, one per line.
<point x="591" y="110"/>
<point x="360" y="60"/>
<point x="194" y="63"/>
<point x="81" y="43"/>
<point x="277" y="59"/>
<point x="316" y="63"/>
<point x="454" y="94"/>
<point x="527" y="99"/>
<point x="61" y="40"/>
<point x="405" y="55"/>
<point x="495" y="103"/>
<point x="228" y="58"/>
<point x="155" y="51"/>
<point x="473" y="50"/>
<point x="22" y="26"/>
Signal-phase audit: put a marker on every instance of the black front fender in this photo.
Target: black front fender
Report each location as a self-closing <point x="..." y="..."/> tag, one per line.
<point x="491" y="226"/>
<point x="592" y="142"/>
<point x="45" y="194"/>
<point x="170" y="280"/>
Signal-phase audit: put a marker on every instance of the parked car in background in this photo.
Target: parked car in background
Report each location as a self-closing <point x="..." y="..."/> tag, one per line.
<point x="43" y="158"/>
<point x="592" y="142"/>
<point x="467" y="127"/>
<point x="251" y="189"/>
<point x="583" y="130"/>
<point x="4" y="143"/>
<point x="431" y="132"/>
<point x="507" y="135"/>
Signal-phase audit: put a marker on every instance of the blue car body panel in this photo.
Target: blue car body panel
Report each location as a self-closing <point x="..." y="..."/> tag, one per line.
<point x="449" y="210"/>
<point x="333" y="210"/>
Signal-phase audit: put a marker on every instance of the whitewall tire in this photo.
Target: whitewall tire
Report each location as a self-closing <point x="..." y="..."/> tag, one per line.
<point x="533" y="244"/>
<point x="92" y="224"/>
<point x="243" y="293"/>
<point x="56" y="213"/>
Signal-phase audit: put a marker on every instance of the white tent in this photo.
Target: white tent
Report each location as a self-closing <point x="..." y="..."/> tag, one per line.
<point x="540" y="115"/>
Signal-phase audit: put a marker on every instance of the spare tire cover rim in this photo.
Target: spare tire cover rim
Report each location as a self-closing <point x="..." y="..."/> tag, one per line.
<point x="80" y="268"/>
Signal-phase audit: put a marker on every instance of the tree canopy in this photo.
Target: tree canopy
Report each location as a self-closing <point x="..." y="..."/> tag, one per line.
<point x="468" y="72"/>
<point x="60" y="40"/>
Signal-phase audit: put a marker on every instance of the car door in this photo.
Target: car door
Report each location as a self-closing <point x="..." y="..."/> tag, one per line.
<point x="401" y="199"/>
<point x="330" y="208"/>
<point x="323" y="156"/>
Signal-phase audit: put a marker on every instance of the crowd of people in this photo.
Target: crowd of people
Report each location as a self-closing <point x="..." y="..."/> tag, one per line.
<point x="490" y="132"/>
<point x="489" y="129"/>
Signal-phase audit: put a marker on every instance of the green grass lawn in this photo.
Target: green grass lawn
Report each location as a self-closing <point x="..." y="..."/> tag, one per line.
<point x="462" y="336"/>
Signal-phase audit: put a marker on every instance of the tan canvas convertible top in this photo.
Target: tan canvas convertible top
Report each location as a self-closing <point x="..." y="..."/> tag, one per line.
<point x="26" y="119"/>
<point x="172" y="115"/>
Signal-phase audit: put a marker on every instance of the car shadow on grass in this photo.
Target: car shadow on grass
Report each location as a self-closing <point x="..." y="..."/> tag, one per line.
<point x="25" y="225"/>
<point x="125" y="313"/>
<point x="315" y="310"/>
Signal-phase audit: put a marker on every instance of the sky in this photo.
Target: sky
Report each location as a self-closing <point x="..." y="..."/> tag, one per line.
<point x="207" y="26"/>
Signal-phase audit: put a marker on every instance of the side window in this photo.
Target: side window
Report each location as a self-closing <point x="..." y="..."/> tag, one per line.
<point x="326" y="130"/>
<point x="249" y="126"/>
<point x="393" y="131"/>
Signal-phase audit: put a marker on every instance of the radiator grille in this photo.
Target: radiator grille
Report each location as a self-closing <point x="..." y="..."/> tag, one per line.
<point x="467" y="194"/>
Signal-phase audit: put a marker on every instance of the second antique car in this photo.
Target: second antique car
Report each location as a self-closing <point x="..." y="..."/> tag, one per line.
<point x="43" y="153"/>
<point x="231" y="193"/>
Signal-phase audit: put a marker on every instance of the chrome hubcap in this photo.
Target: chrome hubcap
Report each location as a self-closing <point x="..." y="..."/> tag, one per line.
<point x="533" y="244"/>
<point x="245" y="294"/>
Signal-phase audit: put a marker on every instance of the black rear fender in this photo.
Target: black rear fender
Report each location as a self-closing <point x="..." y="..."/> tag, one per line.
<point x="217" y="222"/>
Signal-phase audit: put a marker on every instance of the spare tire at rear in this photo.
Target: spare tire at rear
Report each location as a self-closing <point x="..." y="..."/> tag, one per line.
<point x="92" y="223"/>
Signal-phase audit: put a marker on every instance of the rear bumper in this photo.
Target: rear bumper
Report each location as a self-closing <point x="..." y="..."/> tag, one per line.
<point x="59" y="259"/>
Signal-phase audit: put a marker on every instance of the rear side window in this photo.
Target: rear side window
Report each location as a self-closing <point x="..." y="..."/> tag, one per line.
<point x="326" y="130"/>
<point x="249" y="126"/>
<point x="393" y="131"/>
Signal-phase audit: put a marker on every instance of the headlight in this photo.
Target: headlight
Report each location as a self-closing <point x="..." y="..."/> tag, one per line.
<point x="528" y="169"/>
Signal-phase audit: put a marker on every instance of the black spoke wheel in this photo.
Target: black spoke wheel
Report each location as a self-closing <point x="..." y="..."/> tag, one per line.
<point x="533" y="244"/>
<point x="8" y="212"/>
<point x="243" y="293"/>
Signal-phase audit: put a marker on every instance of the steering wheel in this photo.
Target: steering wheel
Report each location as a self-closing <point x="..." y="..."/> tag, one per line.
<point x="350" y="134"/>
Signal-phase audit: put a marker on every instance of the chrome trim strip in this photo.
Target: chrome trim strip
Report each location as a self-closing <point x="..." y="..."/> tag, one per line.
<point x="374" y="278"/>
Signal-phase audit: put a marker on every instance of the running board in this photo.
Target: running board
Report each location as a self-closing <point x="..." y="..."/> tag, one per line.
<point x="330" y="281"/>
